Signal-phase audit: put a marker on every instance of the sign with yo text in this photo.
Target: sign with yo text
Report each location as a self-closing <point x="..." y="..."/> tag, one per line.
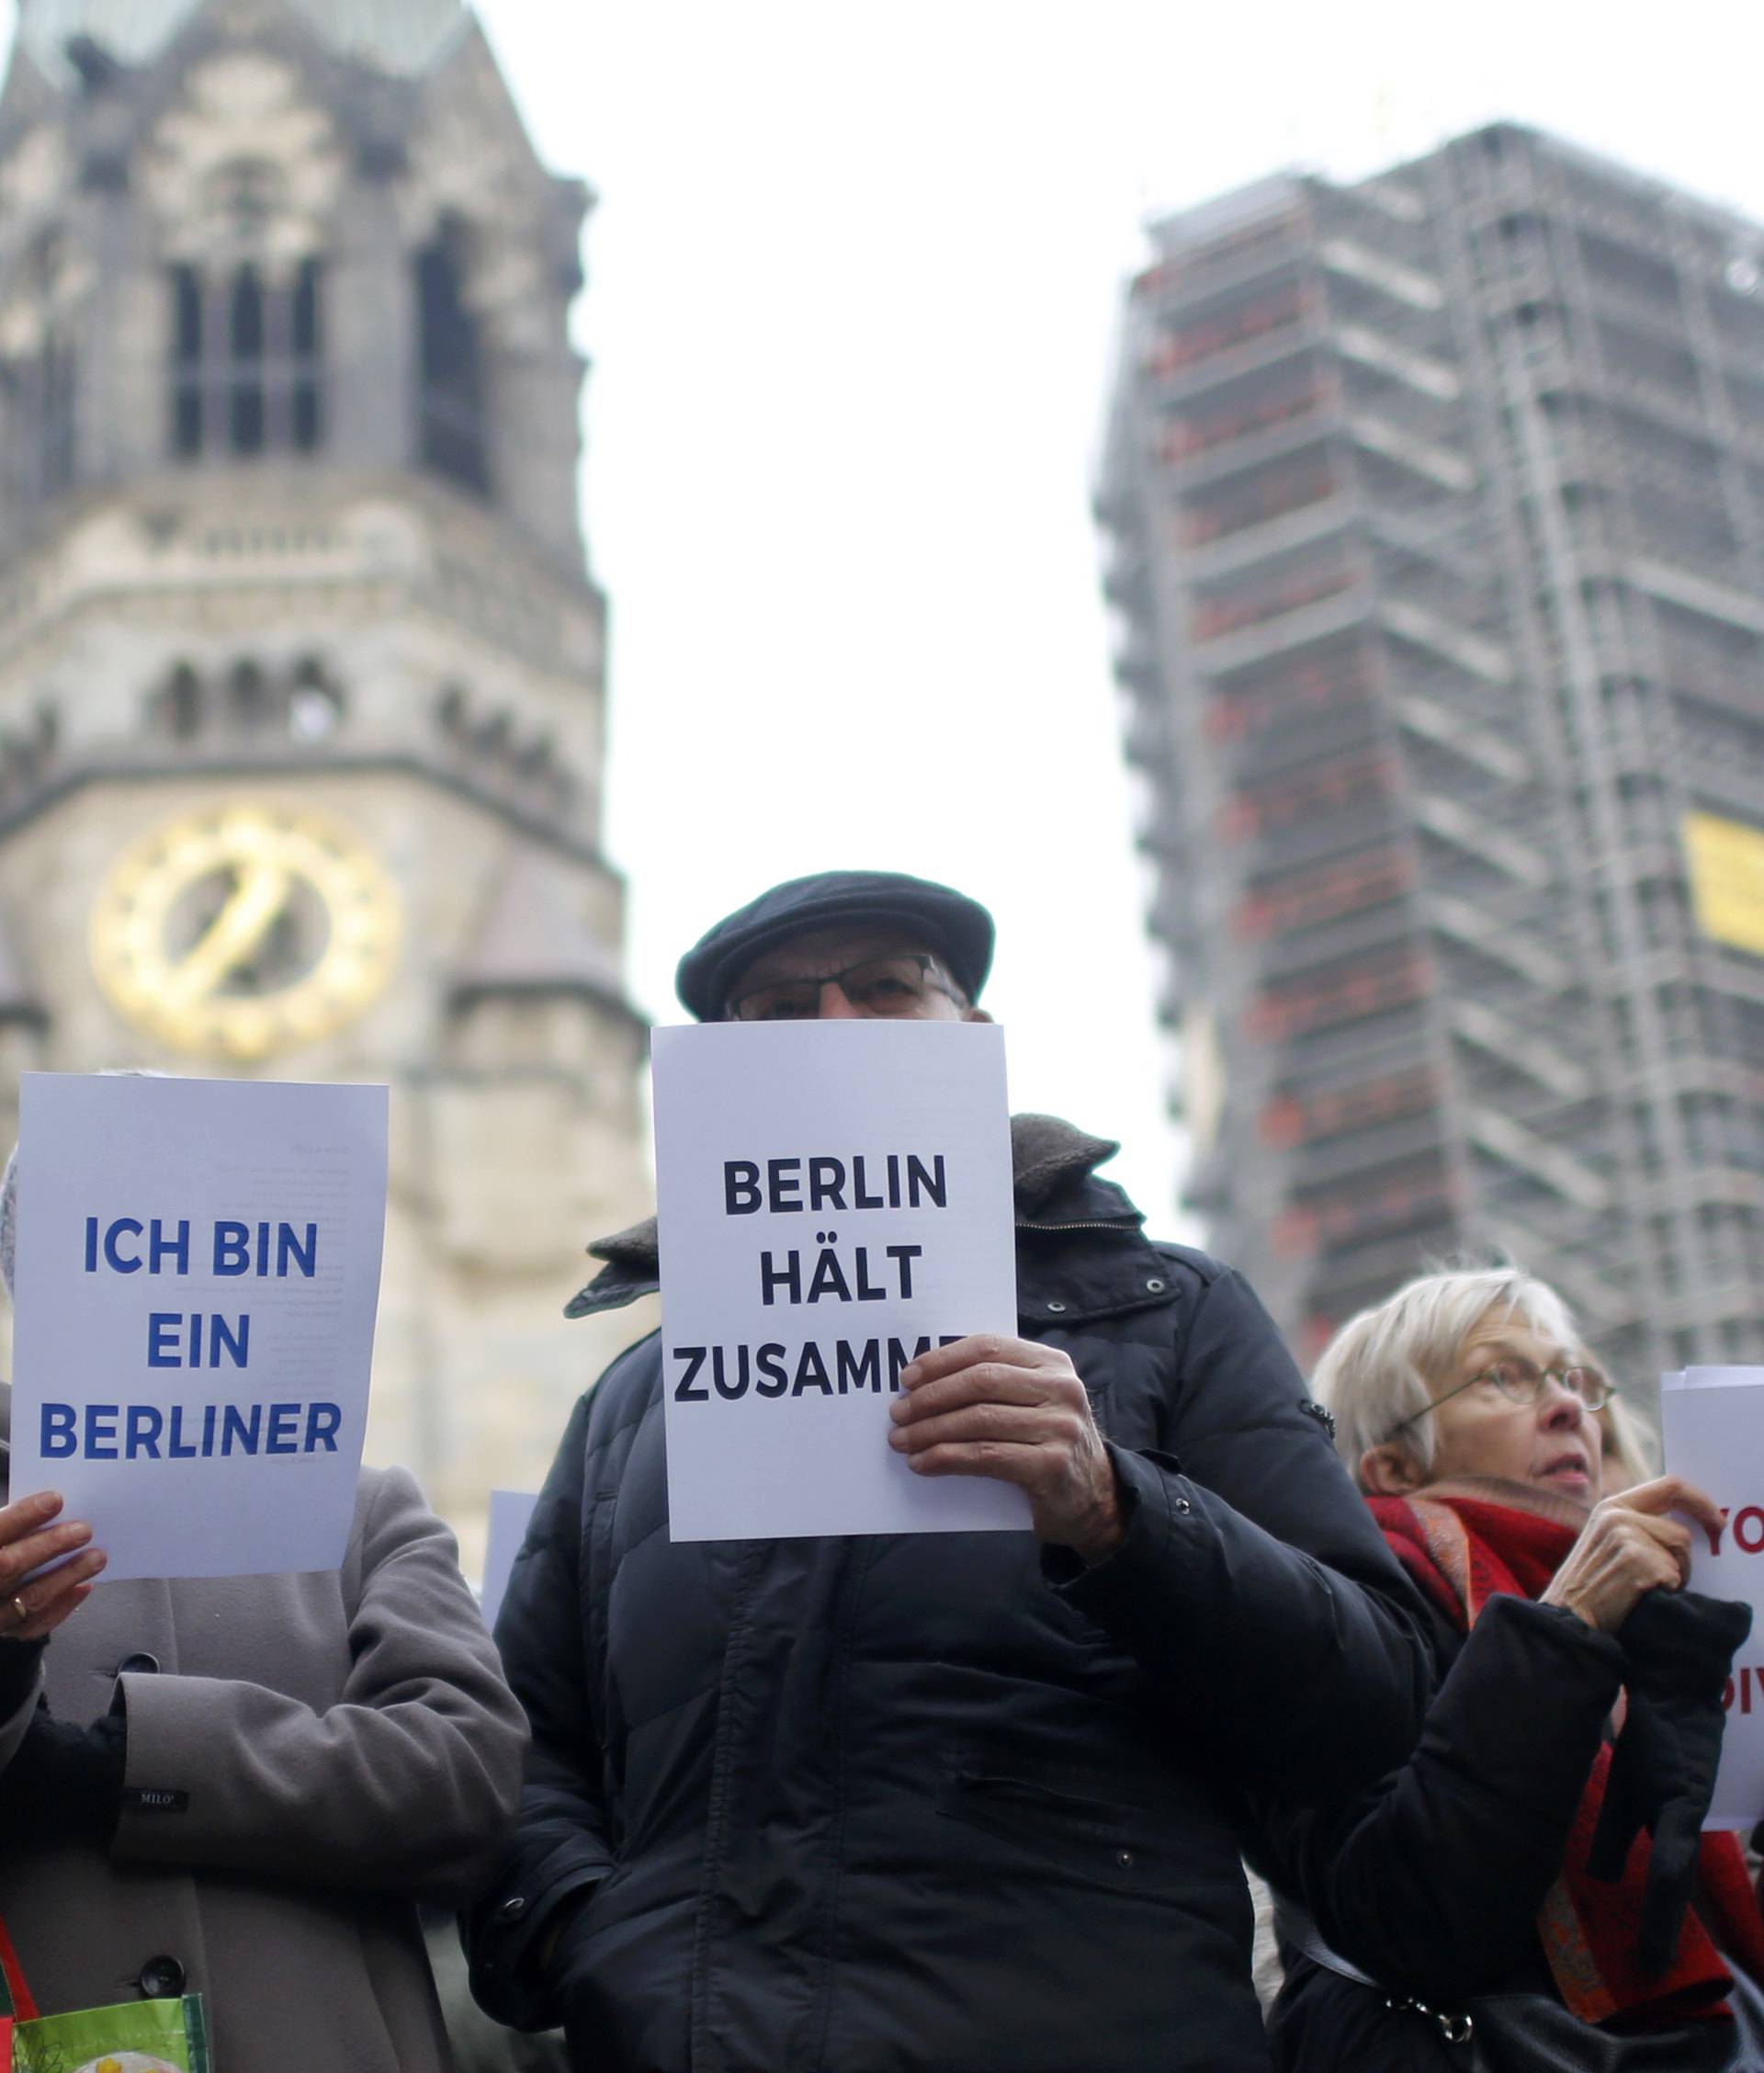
<point x="197" y="1272"/>
<point x="1712" y="1420"/>
<point x="835" y="1198"/>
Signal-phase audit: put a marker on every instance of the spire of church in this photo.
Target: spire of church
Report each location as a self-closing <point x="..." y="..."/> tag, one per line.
<point x="402" y="36"/>
<point x="226" y="237"/>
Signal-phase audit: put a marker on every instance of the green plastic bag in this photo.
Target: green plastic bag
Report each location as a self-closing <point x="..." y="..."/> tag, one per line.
<point x="164" y="2035"/>
<point x="160" y="2036"/>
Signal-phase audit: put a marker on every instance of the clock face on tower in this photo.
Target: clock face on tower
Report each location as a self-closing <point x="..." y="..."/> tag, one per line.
<point x="245" y="930"/>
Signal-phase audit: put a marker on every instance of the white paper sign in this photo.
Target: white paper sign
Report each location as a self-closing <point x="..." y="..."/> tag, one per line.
<point x="197" y="1270"/>
<point x="834" y="1198"/>
<point x="509" y="1512"/>
<point x="1711" y="1423"/>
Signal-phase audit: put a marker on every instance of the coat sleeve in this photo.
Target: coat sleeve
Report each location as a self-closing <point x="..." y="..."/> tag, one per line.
<point x="560" y="1850"/>
<point x="406" y="1782"/>
<point x="21" y="1684"/>
<point x="1252" y="1583"/>
<point x="1432" y="1880"/>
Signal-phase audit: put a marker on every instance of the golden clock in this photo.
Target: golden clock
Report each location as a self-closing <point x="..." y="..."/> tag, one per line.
<point x="245" y="930"/>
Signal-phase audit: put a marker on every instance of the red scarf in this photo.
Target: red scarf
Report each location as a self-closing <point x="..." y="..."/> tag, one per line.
<point x="1463" y="1549"/>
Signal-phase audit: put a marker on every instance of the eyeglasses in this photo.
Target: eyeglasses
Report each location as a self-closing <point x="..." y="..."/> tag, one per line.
<point x="897" y="985"/>
<point x="1520" y="1382"/>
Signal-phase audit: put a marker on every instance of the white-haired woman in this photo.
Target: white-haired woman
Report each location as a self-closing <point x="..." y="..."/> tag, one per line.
<point x="1521" y="1871"/>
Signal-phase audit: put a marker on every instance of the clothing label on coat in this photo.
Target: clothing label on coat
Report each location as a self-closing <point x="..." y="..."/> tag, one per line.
<point x="834" y="1199"/>
<point x="197" y="1270"/>
<point x="1711" y="1423"/>
<point x="155" y="1799"/>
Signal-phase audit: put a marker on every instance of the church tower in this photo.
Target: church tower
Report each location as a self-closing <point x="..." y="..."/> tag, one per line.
<point x="301" y="713"/>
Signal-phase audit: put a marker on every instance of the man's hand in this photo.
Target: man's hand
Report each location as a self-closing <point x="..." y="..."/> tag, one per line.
<point x="1629" y="1546"/>
<point x="1016" y="1411"/>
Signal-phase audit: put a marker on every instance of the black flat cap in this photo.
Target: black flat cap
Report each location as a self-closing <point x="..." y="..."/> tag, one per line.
<point x="958" y="928"/>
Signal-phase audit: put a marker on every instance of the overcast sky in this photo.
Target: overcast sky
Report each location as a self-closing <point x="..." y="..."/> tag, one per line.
<point x="851" y="290"/>
<point x="851" y="285"/>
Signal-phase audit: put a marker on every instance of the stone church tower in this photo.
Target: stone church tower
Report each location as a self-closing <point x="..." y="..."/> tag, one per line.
<point x="301" y="717"/>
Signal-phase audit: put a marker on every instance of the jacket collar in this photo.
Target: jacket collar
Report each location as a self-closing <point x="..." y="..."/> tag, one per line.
<point x="1053" y="1167"/>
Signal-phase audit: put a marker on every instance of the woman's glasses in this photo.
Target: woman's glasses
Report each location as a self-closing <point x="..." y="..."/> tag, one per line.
<point x="1521" y="1383"/>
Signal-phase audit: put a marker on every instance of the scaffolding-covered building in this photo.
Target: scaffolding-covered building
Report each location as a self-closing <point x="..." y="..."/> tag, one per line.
<point x="1434" y="508"/>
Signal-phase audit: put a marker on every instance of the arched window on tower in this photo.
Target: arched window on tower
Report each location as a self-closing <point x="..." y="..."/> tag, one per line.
<point x="451" y="430"/>
<point x="249" y="700"/>
<point x="246" y="413"/>
<point x="315" y="702"/>
<point x="174" y="707"/>
<point x="56" y="390"/>
<point x="39" y="385"/>
<point x="306" y="392"/>
<point x="186" y="362"/>
<point x="246" y="361"/>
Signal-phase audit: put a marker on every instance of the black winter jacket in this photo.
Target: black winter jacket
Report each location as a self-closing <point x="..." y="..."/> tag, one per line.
<point x="1430" y="1881"/>
<point x="949" y="1802"/>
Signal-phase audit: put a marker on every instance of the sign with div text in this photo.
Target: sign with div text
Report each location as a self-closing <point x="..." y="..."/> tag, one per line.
<point x="835" y="1198"/>
<point x="197" y="1268"/>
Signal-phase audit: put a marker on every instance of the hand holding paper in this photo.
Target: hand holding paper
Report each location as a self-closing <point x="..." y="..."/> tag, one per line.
<point x="834" y="1203"/>
<point x="30" y="1535"/>
<point x="196" y="1267"/>
<point x="1019" y="1412"/>
<point x="1630" y="1547"/>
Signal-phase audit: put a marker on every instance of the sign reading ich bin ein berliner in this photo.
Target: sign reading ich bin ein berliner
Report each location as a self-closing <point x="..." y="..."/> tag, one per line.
<point x="835" y="1198"/>
<point x="197" y="1273"/>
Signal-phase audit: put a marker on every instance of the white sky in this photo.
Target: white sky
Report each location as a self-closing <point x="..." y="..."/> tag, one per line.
<point x="852" y="284"/>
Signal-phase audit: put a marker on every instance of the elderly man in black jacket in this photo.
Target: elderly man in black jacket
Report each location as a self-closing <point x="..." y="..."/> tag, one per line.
<point x="950" y="1803"/>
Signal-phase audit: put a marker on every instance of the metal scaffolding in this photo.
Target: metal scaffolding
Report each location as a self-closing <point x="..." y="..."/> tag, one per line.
<point x="1435" y="521"/>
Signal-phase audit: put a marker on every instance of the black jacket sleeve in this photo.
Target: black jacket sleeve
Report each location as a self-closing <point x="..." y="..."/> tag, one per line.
<point x="1252" y="1583"/>
<point x="1431" y="1882"/>
<point x="21" y="1670"/>
<point x="65" y="1783"/>
<point x="560" y="1850"/>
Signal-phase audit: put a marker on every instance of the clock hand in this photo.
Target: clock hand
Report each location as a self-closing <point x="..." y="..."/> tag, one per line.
<point x="234" y="933"/>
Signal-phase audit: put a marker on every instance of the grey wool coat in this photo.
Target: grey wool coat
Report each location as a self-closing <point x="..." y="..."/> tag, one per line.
<point x="307" y="1756"/>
